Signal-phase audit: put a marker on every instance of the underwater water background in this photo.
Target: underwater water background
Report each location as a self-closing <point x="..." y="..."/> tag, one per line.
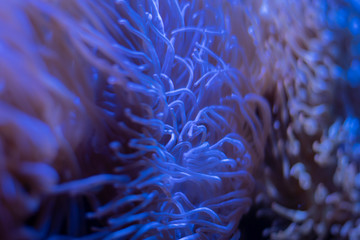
<point x="180" y="119"/>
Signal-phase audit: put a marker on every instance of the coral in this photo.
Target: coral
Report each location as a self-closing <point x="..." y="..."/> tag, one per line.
<point x="44" y="112"/>
<point x="171" y="119"/>
<point x="311" y="166"/>
<point x="168" y="126"/>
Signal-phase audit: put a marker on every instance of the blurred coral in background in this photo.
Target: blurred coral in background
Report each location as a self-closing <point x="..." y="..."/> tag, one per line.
<point x="310" y="51"/>
<point x="179" y="119"/>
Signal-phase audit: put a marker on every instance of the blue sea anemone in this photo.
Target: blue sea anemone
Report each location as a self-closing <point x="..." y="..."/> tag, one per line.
<point x="150" y="119"/>
<point x="157" y="127"/>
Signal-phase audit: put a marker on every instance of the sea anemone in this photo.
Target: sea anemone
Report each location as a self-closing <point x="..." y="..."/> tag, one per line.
<point x="138" y="125"/>
<point x="310" y="162"/>
<point x="148" y="119"/>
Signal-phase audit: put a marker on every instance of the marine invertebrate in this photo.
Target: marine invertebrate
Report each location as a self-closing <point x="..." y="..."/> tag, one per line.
<point x="149" y="119"/>
<point x="171" y="115"/>
<point x="305" y="149"/>
<point x="45" y="113"/>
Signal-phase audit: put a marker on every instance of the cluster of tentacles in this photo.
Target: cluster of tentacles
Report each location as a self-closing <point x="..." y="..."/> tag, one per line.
<point x="171" y="119"/>
<point x="311" y="184"/>
<point x="127" y="119"/>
